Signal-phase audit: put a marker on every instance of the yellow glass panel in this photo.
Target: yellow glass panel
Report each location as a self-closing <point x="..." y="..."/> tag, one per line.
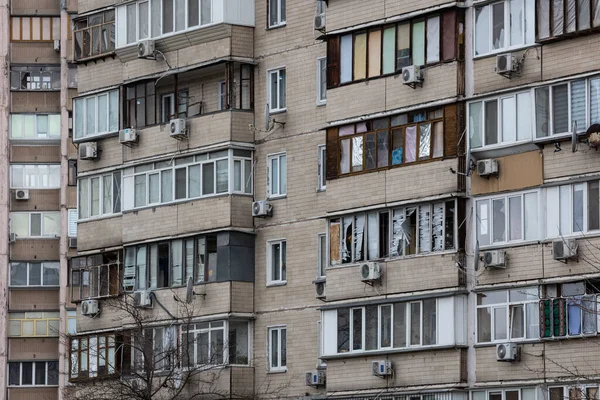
<point x="374" y="53"/>
<point x="16" y="28"/>
<point x="26" y="28"/>
<point x="360" y="56"/>
<point x="46" y="29"/>
<point x="36" y="28"/>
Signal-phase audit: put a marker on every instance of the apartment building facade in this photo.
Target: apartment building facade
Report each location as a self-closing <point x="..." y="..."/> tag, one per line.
<point x="306" y="199"/>
<point x="38" y="201"/>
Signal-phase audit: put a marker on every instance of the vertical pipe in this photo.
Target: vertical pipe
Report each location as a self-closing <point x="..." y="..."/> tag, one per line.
<point x="4" y="187"/>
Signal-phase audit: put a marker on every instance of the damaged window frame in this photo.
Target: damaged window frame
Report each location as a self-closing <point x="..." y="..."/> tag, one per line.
<point x="88" y="351"/>
<point x="485" y="220"/>
<point x="577" y="19"/>
<point x="502" y="394"/>
<point x="35" y="78"/>
<point x="427" y="143"/>
<point x="99" y="26"/>
<point x="388" y="238"/>
<point x="88" y="271"/>
<point x="276" y="271"/>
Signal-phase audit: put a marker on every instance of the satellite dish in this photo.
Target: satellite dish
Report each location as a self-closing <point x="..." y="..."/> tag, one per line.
<point x="267" y="117"/>
<point x="574" y="137"/>
<point x="593" y="134"/>
<point x="476" y="255"/>
<point x="189" y="290"/>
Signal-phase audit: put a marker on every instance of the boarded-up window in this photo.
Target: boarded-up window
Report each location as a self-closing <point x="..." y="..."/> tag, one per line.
<point x="449" y="39"/>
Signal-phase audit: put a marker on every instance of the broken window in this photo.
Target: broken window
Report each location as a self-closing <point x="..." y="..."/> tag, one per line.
<point x="512" y="24"/>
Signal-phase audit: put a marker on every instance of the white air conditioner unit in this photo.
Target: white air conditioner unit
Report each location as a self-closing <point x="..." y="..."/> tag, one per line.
<point x="72" y="242"/>
<point x="178" y="129"/>
<point x="495" y="258"/>
<point x="146" y="49"/>
<point x="12" y="237"/>
<point x="22" y="194"/>
<point x="412" y="75"/>
<point x="487" y="167"/>
<point x="320" y="292"/>
<point x="142" y="299"/>
<point x="382" y="368"/>
<point x="89" y="307"/>
<point x="315" y="378"/>
<point x="506" y="64"/>
<point x="56" y="45"/>
<point x="262" y="208"/>
<point x="128" y="136"/>
<point x="319" y="22"/>
<point x="370" y="271"/>
<point x="563" y="250"/>
<point x="88" y="151"/>
<point x="506" y="352"/>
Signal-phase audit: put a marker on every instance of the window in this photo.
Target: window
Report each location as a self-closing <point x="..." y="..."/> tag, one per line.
<point x="34" y="274"/>
<point x="156" y="18"/>
<point x="322" y="169"/>
<point x="509" y="394"/>
<point x="29" y="373"/>
<point x="565" y="17"/>
<point x="277" y="349"/>
<point x="35" y="176"/>
<point x="96" y="114"/>
<point x="504" y="25"/>
<point x="99" y="195"/>
<point x="96" y="276"/>
<point x="34" y="126"/>
<point x="276" y="175"/>
<point x="187" y="178"/>
<point x="94" y="35"/>
<point x="414" y="229"/>
<point x="140" y="105"/>
<point x="41" y="77"/>
<point x="379" y="144"/>
<point x="321" y="78"/>
<point x="171" y="264"/>
<point x="508" y="315"/>
<point x="576" y="209"/>
<point x="40" y="224"/>
<point x="321" y="255"/>
<point x="568" y="309"/>
<point x="26" y="324"/>
<point x="507" y="218"/>
<point x="71" y="322"/>
<point x="383" y="51"/>
<point x="95" y="356"/>
<point x="158" y="343"/>
<point x="168" y="105"/>
<point x="276" y="262"/>
<point x="204" y="343"/>
<point x="276" y="83"/>
<point x="34" y="29"/>
<point x="276" y="13"/>
<point x="72" y="178"/>
<point x="387" y="326"/>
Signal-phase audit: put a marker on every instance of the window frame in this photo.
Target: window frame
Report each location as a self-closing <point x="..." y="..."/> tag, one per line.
<point x="84" y="99"/>
<point x="116" y="348"/>
<point x="33" y="375"/>
<point x="33" y="79"/>
<point x="43" y="235"/>
<point x="280" y="193"/>
<point x="54" y="34"/>
<point x="87" y="274"/>
<point x="279" y="368"/>
<point x="322" y="168"/>
<point x="27" y="265"/>
<point x="279" y="108"/>
<point x="39" y="177"/>
<point x="116" y="205"/>
<point x="47" y="319"/>
<point x="321" y="78"/>
<point x="82" y="30"/>
<point x="322" y="259"/>
<point x="281" y="20"/>
<point x="282" y="262"/>
<point x="36" y="117"/>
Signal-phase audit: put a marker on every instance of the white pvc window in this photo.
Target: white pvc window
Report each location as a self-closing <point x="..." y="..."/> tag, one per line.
<point x="276" y="175"/>
<point x="276" y="262"/>
<point x="96" y="115"/>
<point x="276" y="13"/>
<point x="277" y="349"/>
<point x="35" y="224"/>
<point x="276" y="90"/>
<point x="24" y="274"/>
<point x="35" y="176"/>
<point x="322" y="169"/>
<point x="321" y="79"/>
<point x="99" y="195"/>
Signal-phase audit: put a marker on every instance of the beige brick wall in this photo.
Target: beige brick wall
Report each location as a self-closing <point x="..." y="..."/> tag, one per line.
<point x="531" y="365"/>
<point x="27" y="102"/>
<point x="34" y="53"/>
<point x="100" y="233"/>
<point x="39" y="200"/>
<point x="33" y="348"/>
<point x="33" y="300"/>
<point x="524" y="262"/>
<point x="35" y="7"/>
<point x="35" y="250"/>
<point x="34" y="154"/>
<point x="410" y="369"/>
<point x="564" y="163"/>
<point x="486" y="79"/>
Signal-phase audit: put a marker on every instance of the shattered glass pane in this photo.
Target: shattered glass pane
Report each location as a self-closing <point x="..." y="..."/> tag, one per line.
<point x="345" y="156"/>
<point x="437" y="224"/>
<point x="370" y="156"/>
<point x="346" y="252"/>
<point x="499" y="220"/>
<point x="398" y="149"/>
<point x="358" y="237"/>
<point x="411" y="143"/>
<point x="357" y="153"/>
<point x="382" y="149"/>
<point x="398" y="233"/>
<point x="424" y="229"/>
<point x="424" y="141"/>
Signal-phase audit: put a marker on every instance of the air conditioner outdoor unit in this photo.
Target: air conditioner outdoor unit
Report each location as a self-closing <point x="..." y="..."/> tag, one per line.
<point x="142" y="299"/>
<point x="320" y="292"/>
<point x="128" y="136"/>
<point x="12" y="237"/>
<point x="495" y="258"/>
<point x="506" y="352"/>
<point x="505" y="64"/>
<point x="412" y="75"/>
<point x="563" y="250"/>
<point x="262" y="208"/>
<point x="487" y="167"/>
<point x="370" y="271"/>
<point x="89" y="307"/>
<point x="22" y="194"/>
<point x="72" y="242"/>
<point x="146" y="49"/>
<point x="88" y="151"/>
<point x="177" y="128"/>
<point x="319" y="22"/>
<point x="382" y="368"/>
<point x="56" y="45"/>
<point x="315" y="378"/>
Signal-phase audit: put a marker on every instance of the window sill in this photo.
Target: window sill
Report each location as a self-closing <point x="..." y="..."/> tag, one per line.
<point x="53" y="237"/>
<point x="321" y="103"/>
<point x="321" y="190"/>
<point x="99" y="218"/>
<point x="504" y="51"/>
<point x="277" y="370"/>
<point x="283" y="196"/>
<point x="40" y="287"/>
<point x="320" y="279"/>
<point x="273" y="27"/>
<point x="278" y="111"/>
<point x="276" y="283"/>
<point x="392" y="351"/>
